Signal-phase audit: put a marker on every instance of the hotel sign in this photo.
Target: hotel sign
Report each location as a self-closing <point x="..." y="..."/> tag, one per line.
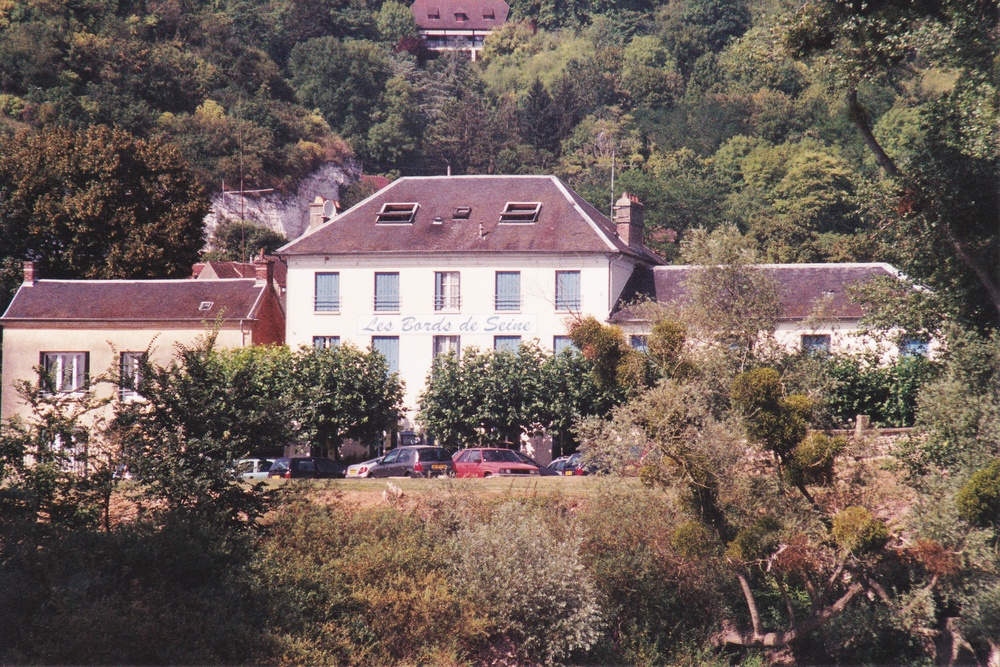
<point x="453" y="324"/>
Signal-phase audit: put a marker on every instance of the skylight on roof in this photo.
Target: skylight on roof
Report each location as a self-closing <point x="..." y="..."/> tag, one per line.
<point x="396" y="214"/>
<point x="206" y="305"/>
<point x="462" y="213"/>
<point x="520" y="212"/>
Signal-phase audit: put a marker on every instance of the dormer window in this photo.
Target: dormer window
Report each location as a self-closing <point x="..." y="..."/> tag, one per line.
<point x="462" y="213"/>
<point x="520" y="212"/>
<point x="396" y="214"/>
<point x="461" y="17"/>
<point x="206" y="305"/>
<point x="433" y="13"/>
<point x="489" y="14"/>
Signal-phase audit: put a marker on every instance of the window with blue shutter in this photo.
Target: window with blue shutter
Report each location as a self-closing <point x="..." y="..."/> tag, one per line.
<point x="386" y="291"/>
<point x="508" y="294"/>
<point x="567" y="290"/>
<point x="327" y="292"/>
<point x="388" y="347"/>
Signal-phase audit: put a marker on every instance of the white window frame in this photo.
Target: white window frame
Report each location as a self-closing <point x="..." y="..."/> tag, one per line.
<point x="397" y="213"/>
<point x="520" y="212"/>
<point x="447" y="291"/>
<point x="129" y="375"/>
<point x="445" y="344"/>
<point x="326" y="342"/>
<point x="56" y="364"/>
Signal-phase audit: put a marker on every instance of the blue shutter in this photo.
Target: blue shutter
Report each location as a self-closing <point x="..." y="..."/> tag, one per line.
<point x="439" y="295"/>
<point x="388" y="347"/>
<point x="327" y="291"/>
<point x="508" y="290"/>
<point x="387" y="291"/>
<point x="567" y="290"/>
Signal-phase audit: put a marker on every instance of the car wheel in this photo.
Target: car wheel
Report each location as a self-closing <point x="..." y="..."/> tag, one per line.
<point x="486" y="474"/>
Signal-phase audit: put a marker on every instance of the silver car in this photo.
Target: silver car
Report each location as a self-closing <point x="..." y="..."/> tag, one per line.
<point x="253" y="469"/>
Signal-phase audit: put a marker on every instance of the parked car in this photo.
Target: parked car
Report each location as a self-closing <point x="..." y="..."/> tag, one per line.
<point x="362" y="469"/>
<point x="250" y="469"/>
<point x="306" y="467"/>
<point x="416" y="461"/>
<point x="575" y="466"/>
<point x="542" y="470"/>
<point x="491" y="461"/>
<point x="557" y="465"/>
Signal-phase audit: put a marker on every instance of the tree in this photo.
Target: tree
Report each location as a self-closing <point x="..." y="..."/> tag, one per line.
<point x="98" y="203"/>
<point x="199" y="415"/>
<point x="342" y="392"/>
<point x="240" y="241"/>
<point x="345" y="80"/>
<point x="730" y="302"/>
<point x="865" y="44"/>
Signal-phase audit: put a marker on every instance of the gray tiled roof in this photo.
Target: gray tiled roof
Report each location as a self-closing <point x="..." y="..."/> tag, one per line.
<point x="802" y="289"/>
<point x="134" y="300"/>
<point x="566" y="223"/>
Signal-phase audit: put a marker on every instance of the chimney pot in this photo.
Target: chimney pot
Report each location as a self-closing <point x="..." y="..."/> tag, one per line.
<point x="29" y="273"/>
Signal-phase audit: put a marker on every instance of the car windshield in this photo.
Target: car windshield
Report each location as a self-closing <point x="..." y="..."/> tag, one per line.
<point x="500" y="456"/>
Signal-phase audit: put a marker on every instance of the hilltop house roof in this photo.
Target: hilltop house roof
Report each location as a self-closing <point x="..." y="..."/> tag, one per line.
<point x="133" y="301"/>
<point x="480" y="15"/>
<point x="804" y="289"/>
<point x="470" y="214"/>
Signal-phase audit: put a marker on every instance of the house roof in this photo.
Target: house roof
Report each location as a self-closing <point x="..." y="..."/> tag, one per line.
<point x="218" y="270"/>
<point x="803" y="289"/>
<point x="565" y="222"/>
<point x="135" y="301"/>
<point x="445" y="14"/>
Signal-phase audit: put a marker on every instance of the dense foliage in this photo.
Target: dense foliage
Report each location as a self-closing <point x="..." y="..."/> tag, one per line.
<point x="823" y="131"/>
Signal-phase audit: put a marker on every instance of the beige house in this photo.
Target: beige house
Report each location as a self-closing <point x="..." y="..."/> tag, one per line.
<point x="816" y="309"/>
<point x="79" y="329"/>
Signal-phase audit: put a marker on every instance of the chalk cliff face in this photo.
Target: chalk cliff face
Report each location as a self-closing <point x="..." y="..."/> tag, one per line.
<point x="288" y="214"/>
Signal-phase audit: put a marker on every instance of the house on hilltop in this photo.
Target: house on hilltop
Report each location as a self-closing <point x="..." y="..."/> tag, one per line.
<point x="458" y="25"/>
<point x="76" y="329"/>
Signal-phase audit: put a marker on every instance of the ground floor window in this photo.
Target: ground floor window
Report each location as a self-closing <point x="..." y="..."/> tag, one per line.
<point x="130" y="373"/>
<point x="446" y="344"/>
<point x="817" y="343"/>
<point x="388" y="347"/>
<point x="324" y="342"/>
<point x="506" y="343"/>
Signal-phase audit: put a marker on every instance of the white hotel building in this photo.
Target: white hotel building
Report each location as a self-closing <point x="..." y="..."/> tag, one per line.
<point x="428" y="265"/>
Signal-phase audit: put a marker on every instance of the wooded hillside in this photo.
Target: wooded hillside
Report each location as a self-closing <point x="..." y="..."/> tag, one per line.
<point x="827" y="131"/>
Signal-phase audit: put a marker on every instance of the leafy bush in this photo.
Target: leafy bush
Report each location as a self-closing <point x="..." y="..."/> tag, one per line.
<point x="812" y="459"/>
<point x="978" y="500"/>
<point x="531" y="585"/>
<point x="857" y="531"/>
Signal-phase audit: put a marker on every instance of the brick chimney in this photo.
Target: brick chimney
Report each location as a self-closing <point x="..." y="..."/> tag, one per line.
<point x="29" y="273"/>
<point x="263" y="269"/>
<point x="628" y="218"/>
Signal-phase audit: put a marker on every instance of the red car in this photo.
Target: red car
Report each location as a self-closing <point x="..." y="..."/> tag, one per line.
<point x="489" y="462"/>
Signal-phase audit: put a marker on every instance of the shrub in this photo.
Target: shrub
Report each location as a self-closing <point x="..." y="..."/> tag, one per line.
<point x="857" y="531"/>
<point x="978" y="500"/>
<point x="812" y="459"/>
<point x="531" y="585"/>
